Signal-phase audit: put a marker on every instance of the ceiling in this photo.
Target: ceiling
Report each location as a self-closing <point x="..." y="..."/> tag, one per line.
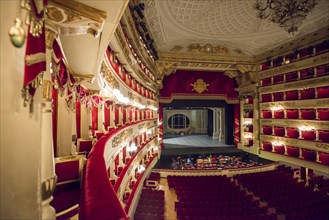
<point x="223" y="27"/>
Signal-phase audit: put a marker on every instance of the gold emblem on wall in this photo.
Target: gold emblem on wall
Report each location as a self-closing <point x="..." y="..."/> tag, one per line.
<point x="199" y="86"/>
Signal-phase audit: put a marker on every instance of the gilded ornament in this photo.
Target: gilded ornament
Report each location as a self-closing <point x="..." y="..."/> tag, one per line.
<point x="54" y="14"/>
<point x="200" y="86"/>
<point x="176" y="48"/>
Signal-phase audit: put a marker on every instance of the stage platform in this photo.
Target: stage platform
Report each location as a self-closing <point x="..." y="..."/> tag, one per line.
<point x="195" y="144"/>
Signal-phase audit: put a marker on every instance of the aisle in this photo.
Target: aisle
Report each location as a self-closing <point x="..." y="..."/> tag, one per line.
<point x="170" y="198"/>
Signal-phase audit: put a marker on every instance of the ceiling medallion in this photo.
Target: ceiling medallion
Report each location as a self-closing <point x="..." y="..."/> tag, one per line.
<point x="197" y="48"/>
<point x="286" y="13"/>
<point x="199" y="86"/>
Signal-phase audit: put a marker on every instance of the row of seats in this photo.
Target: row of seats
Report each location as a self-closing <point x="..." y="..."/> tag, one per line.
<point x="214" y="197"/>
<point x="289" y="197"/>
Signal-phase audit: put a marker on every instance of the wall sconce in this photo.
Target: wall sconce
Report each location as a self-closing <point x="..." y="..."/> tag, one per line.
<point x="156" y="148"/>
<point x="277" y="144"/>
<point x="277" y="108"/>
<point x="132" y="147"/>
<point x="305" y="128"/>
<point x="247" y="136"/>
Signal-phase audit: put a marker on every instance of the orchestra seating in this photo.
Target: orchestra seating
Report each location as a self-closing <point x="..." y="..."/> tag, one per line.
<point x="150" y="205"/>
<point x="289" y="197"/>
<point x="214" y="197"/>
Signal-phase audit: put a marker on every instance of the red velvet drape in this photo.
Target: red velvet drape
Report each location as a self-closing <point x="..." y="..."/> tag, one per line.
<point x="124" y="114"/>
<point x="236" y="124"/>
<point x="94" y="119"/>
<point x="106" y="118"/>
<point x="54" y="119"/>
<point x="78" y="118"/>
<point x="181" y="84"/>
<point x="116" y="115"/>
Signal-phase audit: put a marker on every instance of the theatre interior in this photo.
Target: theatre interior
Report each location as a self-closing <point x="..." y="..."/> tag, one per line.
<point x="164" y="110"/>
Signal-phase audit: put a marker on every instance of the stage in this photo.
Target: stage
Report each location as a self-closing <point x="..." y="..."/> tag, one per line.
<point x="195" y="144"/>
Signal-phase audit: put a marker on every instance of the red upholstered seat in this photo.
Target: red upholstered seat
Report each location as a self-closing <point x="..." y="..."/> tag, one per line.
<point x="307" y="93"/>
<point x="279" y="149"/>
<point x="84" y="145"/>
<point x="309" y="155"/>
<point x="323" y="92"/>
<point x="292" y="76"/>
<point x="307" y="73"/>
<point x="308" y="114"/>
<point x="292" y="113"/>
<point x="267" y="130"/>
<point x="267" y="97"/>
<point x="279" y="114"/>
<point x="279" y="131"/>
<point x="267" y="146"/>
<point x="291" y="95"/>
<point x="278" y="96"/>
<point x="322" y="70"/>
<point x="324" y="158"/>
<point x="278" y="79"/>
<point x="266" y="81"/>
<point x="293" y="133"/>
<point x="323" y="114"/>
<point x="292" y="151"/>
<point x="99" y="134"/>
<point x="267" y="114"/>
<point x="324" y="136"/>
<point x="308" y="135"/>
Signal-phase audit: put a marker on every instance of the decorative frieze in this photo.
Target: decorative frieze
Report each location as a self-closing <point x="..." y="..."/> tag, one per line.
<point x="122" y="137"/>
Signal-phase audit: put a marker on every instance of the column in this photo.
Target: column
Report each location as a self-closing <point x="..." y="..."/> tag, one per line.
<point x="222" y="124"/>
<point x="48" y="176"/>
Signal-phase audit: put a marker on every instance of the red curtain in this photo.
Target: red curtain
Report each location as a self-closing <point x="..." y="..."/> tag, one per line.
<point x="124" y="114"/>
<point x="94" y="119"/>
<point x="54" y="119"/>
<point x="236" y="124"/>
<point x="78" y="118"/>
<point x="106" y="118"/>
<point x="181" y="84"/>
<point x="116" y="115"/>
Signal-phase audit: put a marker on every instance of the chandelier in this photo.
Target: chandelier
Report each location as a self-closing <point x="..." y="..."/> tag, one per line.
<point x="288" y="14"/>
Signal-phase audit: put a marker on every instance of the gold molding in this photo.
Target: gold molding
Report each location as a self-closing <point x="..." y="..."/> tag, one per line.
<point x="301" y="84"/>
<point x="50" y="37"/>
<point x="307" y="103"/>
<point x="198" y="96"/>
<point x="108" y="76"/>
<point x="121" y="137"/>
<point x="47" y="89"/>
<point x="81" y="9"/>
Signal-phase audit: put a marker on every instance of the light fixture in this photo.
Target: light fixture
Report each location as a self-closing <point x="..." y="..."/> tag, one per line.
<point x="286" y="13"/>
<point x="132" y="147"/>
<point x="277" y="108"/>
<point x="141" y="168"/>
<point x="156" y="148"/>
<point x="306" y="128"/>
<point x="277" y="144"/>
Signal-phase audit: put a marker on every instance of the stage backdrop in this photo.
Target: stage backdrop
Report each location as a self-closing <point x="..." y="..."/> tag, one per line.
<point x="185" y="84"/>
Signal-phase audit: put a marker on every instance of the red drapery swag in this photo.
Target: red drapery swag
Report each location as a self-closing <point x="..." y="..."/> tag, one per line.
<point x="35" y="56"/>
<point x="94" y="117"/>
<point x="236" y="124"/>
